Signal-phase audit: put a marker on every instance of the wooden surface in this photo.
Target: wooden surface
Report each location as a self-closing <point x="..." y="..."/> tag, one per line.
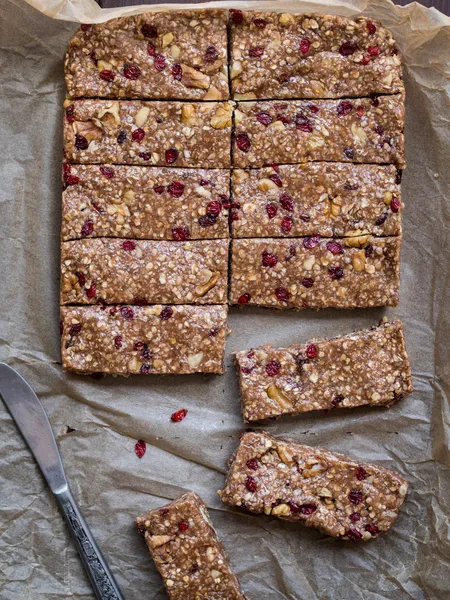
<point x="442" y="5"/>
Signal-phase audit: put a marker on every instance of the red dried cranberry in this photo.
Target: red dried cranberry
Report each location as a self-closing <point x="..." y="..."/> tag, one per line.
<point x="160" y="62"/>
<point x="145" y="368"/>
<point x="271" y="210"/>
<point x="145" y="155"/>
<point x="276" y="179"/>
<point x="286" y="224"/>
<point x="251" y="484"/>
<point x="166" y="313"/>
<point x="275" y="167"/>
<point x="139" y="346"/>
<point x="374" y="50"/>
<point x="159" y="189"/>
<point x="311" y="242"/>
<point x="264" y="118"/>
<point x="244" y="299"/>
<point x="214" y="331"/>
<point x="344" y="108"/>
<point x="305" y="217"/>
<point x="313" y="108"/>
<point x="273" y="368"/>
<point x="349" y="153"/>
<point x="302" y="123"/>
<point x="336" y="272"/>
<point x="149" y="31"/>
<point x="286" y="202"/>
<point x="305" y="45"/>
<point x="247" y="370"/>
<point x="183" y="526"/>
<point x="381" y="219"/>
<point x="211" y="54"/>
<point x="252" y="464"/>
<point x="179" y="415"/>
<point x="98" y="208"/>
<point x="85" y="27"/>
<point x="127" y="313"/>
<point x="151" y="50"/>
<point x="128" y="245"/>
<point x="395" y="204"/>
<point x="113" y="310"/>
<point x="88" y="228"/>
<point x="176" y="189"/>
<point x="260" y="23"/>
<point x="139" y="301"/>
<point x="360" y="110"/>
<point x="295" y="508"/>
<point x="131" y="71"/>
<point x="365" y="60"/>
<point x="69" y="113"/>
<point x="81" y="142"/>
<point x="107" y="172"/>
<point x="308" y="509"/>
<point x="284" y="119"/>
<point x="214" y="207"/>
<point x="211" y="219"/>
<point x="122" y="136"/>
<point x="81" y="278"/>
<point x="282" y="294"/>
<point x="361" y="473"/>
<point x="180" y="234"/>
<point x="311" y="351"/>
<point x="348" y="48"/>
<point x="269" y="260"/>
<point x="107" y="75"/>
<point x="71" y="179"/>
<point x="307" y="282"/>
<point x="353" y="534"/>
<point x="371" y="27"/>
<point x="256" y="51"/>
<point x="118" y="342"/>
<point x="372" y="529"/>
<point x="335" y="247"/>
<point x="368" y="251"/>
<point x="177" y="72"/>
<point x="355" y="496"/>
<point x="140" y="448"/>
<point x="204" y="182"/>
<point x="75" y="328"/>
<point x="243" y="142"/>
<point x="379" y="129"/>
<point x="92" y="290"/>
<point x="138" y="135"/>
<point x="171" y="155"/>
<point x="237" y="16"/>
<point x="354" y="517"/>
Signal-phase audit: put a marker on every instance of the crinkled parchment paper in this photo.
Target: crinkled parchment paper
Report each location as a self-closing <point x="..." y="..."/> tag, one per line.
<point x="274" y="560"/>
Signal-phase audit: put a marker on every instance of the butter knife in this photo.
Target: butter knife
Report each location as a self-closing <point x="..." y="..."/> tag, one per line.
<point x="29" y="415"/>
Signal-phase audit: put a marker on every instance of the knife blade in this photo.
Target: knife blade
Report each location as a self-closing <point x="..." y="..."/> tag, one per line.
<point x="32" y="421"/>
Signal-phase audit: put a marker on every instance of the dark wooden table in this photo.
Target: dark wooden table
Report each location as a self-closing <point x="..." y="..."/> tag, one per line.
<point x="442" y="5"/>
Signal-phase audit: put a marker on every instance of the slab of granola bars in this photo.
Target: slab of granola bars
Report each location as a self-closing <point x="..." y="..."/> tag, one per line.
<point x="311" y="56"/>
<point x="166" y="55"/>
<point x="187" y="551"/>
<point x="327" y="199"/>
<point x="143" y="339"/>
<point x="133" y="132"/>
<point x="117" y="271"/>
<point x="315" y="273"/>
<point x="363" y="130"/>
<point x="363" y="368"/>
<point x="144" y="202"/>
<point x="330" y="492"/>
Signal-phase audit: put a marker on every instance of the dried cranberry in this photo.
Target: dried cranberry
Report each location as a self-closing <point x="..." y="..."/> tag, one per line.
<point x="214" y="207"/>
<point x="179" y="415"/>
<point x="159" y="189"/>
<point x="360" y="110"/>
<point x="127" y="313"/>
<point x="81" y="278"/>
<point x="92" y="290"/>
<point x="273" y="368"/>
<point x="71" y="179"/>
<point x="118" y="342"/>
<point x="264" y="118"/>
<point x="160" y="62"/>
<point x="260" y="23"/>
<point x="344" y="108"/>
<point x="286" y="224"/>
<point x="365" y="60"/>
<point x="379" y="129"/>
<point x="139" y="301"/>
<point x="88" y="228"/>
<point x="211" y="54"/>
<point x="305" y="217"/>
<point x="374" y="99"/>
<point x="151" y="50"/>
<point x="75" y="328"/>
<point x="131" y="71"/>
<point x="140" y="448"/>
<point x="145" y="155"/>
<point x="171" y="155"/>
<point x="247" y="370"/>
<point x="243" y="142"/>
<point x="85" y="27"/>
<point x="128" y="245"/>
<point x="69" y="113"/>
<point x="106" y="75"/>
<point x="381" y="219"/>
<point x="368" y="251"/>
<point x="271" y="210"/>
<point x="311" y="351"/>
<point x="372" y="529"/>
<point x="214" y="331"/>
<point x="107" y="172"/>
<point x="307" y="282"/>
<point x="295" y="508"/>
<point x="250" y="484"/>
<point x="177" y="72"/>
<point x="286" y="202"/>
<point x="252" y="464"/>
<point x="81" y="142"/>
<point x="269" y="260"/>
<point x="138" y="135"/>
<point x="371" y="27"/>
<point x="145" y="368"/>
<point x="284" y="119"/>
<point x="355" y="496"/>
<point x="305" y="45"/>
<point x="311" y="242"/>
<point x="122" y="136"/>
<point x="204" y="182"/>
<point x="244" y="299"/>
<point x="166" y="313"/>
<point x="149" y="31"/>
<point x="361" y="473"/>
<point x="354" y="517"/>
<point x="176" y="189"/>
<point x="348" y="48"/>
<point x="353" y="534"/>
<point x="180" y="234"/>
<point x="395" y="204"/>
<point x="308" y="509"/>
<point x="302" y="123"/>
<point x="275" y="167"/>
<point x="237" y="16"/>
<point x="336" y="272"/>
<point x="374" y="50"/>
<point x="282" y="294"/>
<point x="349" y="153"/>
<point x="113" y="310"/>
<point x="335" y="247"/>
<point x="256" y="51"/>
<point x="183" y="526"/>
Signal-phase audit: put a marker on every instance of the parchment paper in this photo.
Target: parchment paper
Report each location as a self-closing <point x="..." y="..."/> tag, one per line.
<point x="274" y="560"/>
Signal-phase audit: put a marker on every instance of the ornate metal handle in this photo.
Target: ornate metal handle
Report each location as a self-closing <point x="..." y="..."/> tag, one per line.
<point x="102" y="580"/>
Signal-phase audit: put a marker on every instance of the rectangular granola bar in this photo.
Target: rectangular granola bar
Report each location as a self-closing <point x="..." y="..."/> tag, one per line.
<point x="363" y="368"/>
<point x="363" y="130"/>
<point x="311" y="56"/>
<point x="315" y="273"/>
<point x="133" y="132"/>
<point x="143" y="339"/>
<point x="117" y="271"/>
<point x="187" y="551"/>
<point x="330" y="492"/>
<point x="327" y="199"/>
<point x="144" y="202"/>
<point x="163" y="55"/>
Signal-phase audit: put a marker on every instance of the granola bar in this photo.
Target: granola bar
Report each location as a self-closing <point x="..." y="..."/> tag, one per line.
<point x="328" y="199"/>
<point x="143" y="339"/>
<point x="176" y="134"/>
<point x="330" y="492"/>
<point x="144" y="202"/>
<point x="311" y="56"/>
<point x="364" y="368"/>
<point x="187" y="551"/>
<point x="164" y="55"/>
<point x="360" y="130"/>
<point x="117" y="271"/>
<point x="315" y="273"/>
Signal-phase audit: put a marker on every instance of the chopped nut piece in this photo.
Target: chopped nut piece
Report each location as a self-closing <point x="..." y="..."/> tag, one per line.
<point x="194" y="78"/>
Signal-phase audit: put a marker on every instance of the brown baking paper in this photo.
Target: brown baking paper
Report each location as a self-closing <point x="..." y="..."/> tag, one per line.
<point x="274" y="560"/>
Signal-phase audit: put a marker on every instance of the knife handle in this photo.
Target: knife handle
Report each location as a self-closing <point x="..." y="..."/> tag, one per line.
<point x="101" y="578"/>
